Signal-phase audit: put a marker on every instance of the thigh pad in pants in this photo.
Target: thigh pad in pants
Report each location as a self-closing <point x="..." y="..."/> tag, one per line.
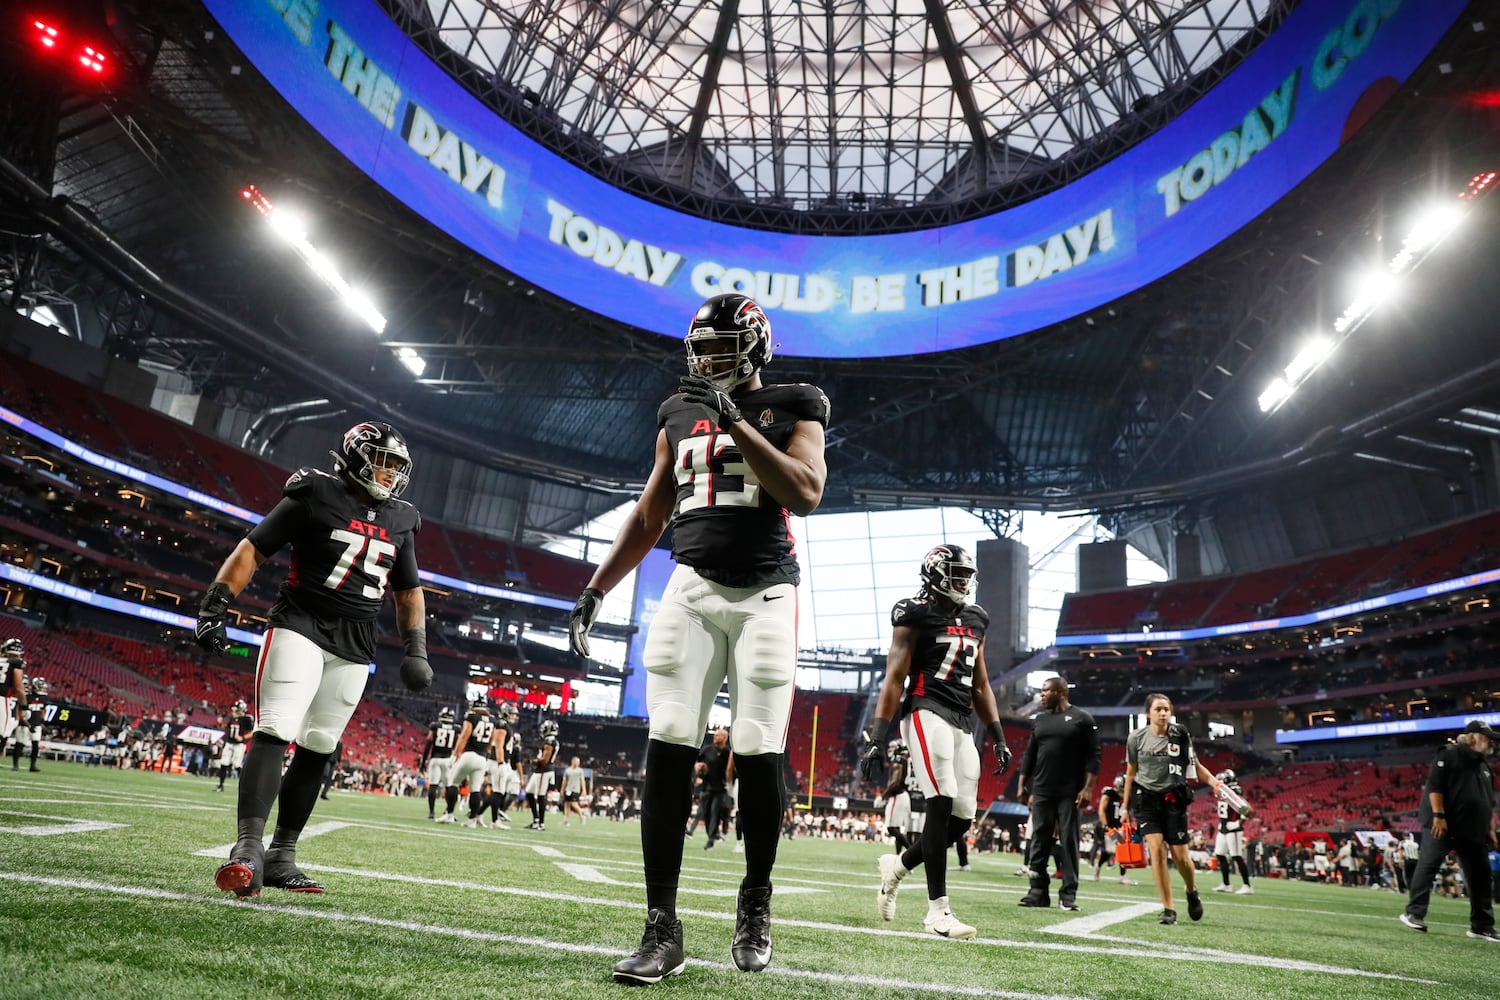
<point x="944" y="759"/>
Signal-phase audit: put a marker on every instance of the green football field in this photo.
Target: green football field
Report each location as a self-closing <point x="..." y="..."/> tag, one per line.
<point x="106" y="890"/>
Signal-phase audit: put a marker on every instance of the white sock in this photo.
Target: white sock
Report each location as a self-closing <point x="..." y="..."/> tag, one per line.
<point x="937" y="907"/>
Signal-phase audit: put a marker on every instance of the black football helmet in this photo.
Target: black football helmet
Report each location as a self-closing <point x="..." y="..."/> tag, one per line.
<point x="39" y="687"/>
<point x="1119" y="782"/>
<point x="1226" y="776"/>
<point x="13" y="649"/>
<point x="369" y="447"/>
<point x="479" y="701"/>
<point x="729" y="340"/>
<point x="446" y="715"/>
<point x="949" y="571"/>
<point x="549" y="730"/>
<point x="508" y="713"/>
<point x="898" y="752"/>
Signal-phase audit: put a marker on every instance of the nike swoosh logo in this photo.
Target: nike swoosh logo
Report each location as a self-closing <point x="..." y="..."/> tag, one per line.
<point x="771" y="597"/>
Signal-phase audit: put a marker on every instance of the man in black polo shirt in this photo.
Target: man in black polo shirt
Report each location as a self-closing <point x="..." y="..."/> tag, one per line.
<point x="1058" y="773"/>
<point x="1458" y="815"/>
<point x="713" y="805"/>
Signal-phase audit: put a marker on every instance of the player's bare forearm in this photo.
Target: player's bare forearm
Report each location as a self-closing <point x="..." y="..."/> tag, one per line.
<point x="984" y="696"/>
<point x="795" y="477"/>
<point x="643" y="527"/>
<point x="897" y="666"/>
<point x="241" y="565"/>
<point x="411" y="610"/>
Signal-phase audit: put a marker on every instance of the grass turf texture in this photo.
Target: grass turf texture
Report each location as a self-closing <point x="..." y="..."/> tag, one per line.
<point x="418" y="909"/>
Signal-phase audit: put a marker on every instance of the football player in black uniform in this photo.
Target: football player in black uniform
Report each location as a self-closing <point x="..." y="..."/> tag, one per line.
<point x="352" y="538"/>
<point x="471" y="759"/>
<point x="437" y="756"/>
<point x="30" y="717"/>
<point x="1230" y="842"/>
<point x="898" y="798"/>
<point x="1108" y="834"/>
<point x="12" y="689"/>
<point x="540" y="782"/>
<point x="734" y="459"/>
<point x="505" y="783"/>
<point x="237" y="729"/>
<point x="937" y="644"/>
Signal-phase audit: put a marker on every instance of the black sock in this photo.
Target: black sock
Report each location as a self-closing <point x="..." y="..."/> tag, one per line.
<point x="299" y="791"/>
<point x="762" y="801"/>
<point x="36" y="747"/>
<point x="260" y="780"/>
<point x="1223" y="868"/>
<point x="935" y="841"/>
<point x="450" y="798"/>
<point x="223" y="774"/>
<point x="666" y="799"/>
<point x="432" y="794"/>
<point x="901" y="842"/>
<point x="494" y="804"/>
<point x="956" y="830"/>
<point x="911" y="858"/>
<point x="476" y="804"/>
<point x="1244" y="870"/>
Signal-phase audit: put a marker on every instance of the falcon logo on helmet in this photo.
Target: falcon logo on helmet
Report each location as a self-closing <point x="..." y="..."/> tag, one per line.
<point x="729" y="340"/>
<point x="949" y="571"/>
<point x="369" y="449"/>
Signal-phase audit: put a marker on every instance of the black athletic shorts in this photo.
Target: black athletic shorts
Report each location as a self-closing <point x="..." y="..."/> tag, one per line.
<point x="1162" y="812"/>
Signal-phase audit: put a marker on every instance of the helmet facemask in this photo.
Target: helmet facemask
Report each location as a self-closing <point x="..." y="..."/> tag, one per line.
<point x="372" y="453"/>
<point x="728" y="341"/>
<point x="949" y="571"/>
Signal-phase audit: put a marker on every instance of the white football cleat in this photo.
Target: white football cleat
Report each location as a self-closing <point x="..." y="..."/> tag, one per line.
<point x="471" y="823"/>
<point x="891" y="874"/>
<point x="1244" y="890"/>
<point x="1223" y="888"/>
<point x="447" y="818"/>
<point x="946" y="925"/>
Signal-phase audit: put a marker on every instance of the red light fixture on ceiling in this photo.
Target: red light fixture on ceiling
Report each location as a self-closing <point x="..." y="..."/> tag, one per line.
<point x="50" y="38"/>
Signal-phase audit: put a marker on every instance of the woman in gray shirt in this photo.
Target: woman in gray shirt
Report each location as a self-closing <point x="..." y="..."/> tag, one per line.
<point x="1159" y="759"/>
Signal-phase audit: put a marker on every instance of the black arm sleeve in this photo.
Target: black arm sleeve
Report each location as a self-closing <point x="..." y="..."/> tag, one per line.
<point x="1092" y="748"/>
<point x="278" y="528"/>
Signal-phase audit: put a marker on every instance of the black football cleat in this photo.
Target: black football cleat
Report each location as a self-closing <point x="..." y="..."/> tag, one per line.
<point x="1040" y="900"/>
<point x="243" y="874"/>
<point x="286" y="875"/>
<point x="1167" y="917"/>
<point x="659" y="956"/>
<point x="751" y="948"/>
<point x="1195" y="906"/>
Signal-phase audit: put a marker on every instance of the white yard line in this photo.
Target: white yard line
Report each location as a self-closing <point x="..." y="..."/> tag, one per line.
<point x="316" y="830"/>
<point x="334" y="916"/>
<point x="62" y="826"/>
<point x="104" y="801"/>
<point x="1087" y="926"/>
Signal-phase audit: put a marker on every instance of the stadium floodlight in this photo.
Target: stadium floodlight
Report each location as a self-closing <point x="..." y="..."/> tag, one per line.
<point x="1313" y="354"/>
<point x="1431" y="228"/>
<point x="1276" y="393"/>
<point x="288" y="226"/>
<point x="414" y="362"/>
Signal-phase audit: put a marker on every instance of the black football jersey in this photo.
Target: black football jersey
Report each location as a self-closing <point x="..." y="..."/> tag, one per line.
<point x="725" y="525"/>
<point x="1229" y="817"/>
<point x="442" y="737"/>
<point x="944" y="650"/>
<point x="541" y="751"/>
<point x="481" y="728"/>
<point x="1110" y="800"/>
<point x="513" y="749"/>
<point x="346" y="552"/>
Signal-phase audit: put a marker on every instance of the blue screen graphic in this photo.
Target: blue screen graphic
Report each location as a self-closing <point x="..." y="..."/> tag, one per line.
<point x="650" y="583"/>
<point x="351" y="73"/>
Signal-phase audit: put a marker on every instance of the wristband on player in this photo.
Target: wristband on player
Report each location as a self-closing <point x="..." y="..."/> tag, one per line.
<point x="875" y="733"/>
<point x="415" y="641"/>
<point x="1439" y="815"/>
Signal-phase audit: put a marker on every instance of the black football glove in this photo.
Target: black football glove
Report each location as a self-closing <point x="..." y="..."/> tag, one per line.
<point x="213" y="614"/>
<point x="997" y="742"/>
<point x="416" y="672"/>
<point x="872" y="758"/>
<point x="582" y="617"/>
<point x="697" y="389"/>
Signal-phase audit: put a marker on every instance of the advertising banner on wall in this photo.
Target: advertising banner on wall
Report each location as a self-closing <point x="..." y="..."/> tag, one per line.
<point x="352" y="74"/>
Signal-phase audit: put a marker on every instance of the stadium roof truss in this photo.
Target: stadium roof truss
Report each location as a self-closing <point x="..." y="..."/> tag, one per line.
<point x="929" y="112"/>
